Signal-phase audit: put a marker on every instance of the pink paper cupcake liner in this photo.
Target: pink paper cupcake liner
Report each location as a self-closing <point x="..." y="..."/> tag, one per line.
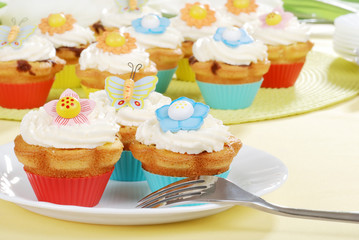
<point x="85" y="192"/>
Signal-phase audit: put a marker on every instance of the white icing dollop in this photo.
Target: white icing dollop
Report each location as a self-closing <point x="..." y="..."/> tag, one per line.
<point x="75" y="37"/>
<point x="128" y="116"/>
<point x="37" y="128"/>
<point x="207" y="49"/>
<point x="96" y="58"/>
<point x="294" y="32"/>
<point x="210" y="137"/>
<point x="171" y="38"/>
<point x="35" y="48"/>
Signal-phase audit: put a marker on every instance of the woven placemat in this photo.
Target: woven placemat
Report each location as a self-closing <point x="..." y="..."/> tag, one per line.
<point x="324" y="81"/>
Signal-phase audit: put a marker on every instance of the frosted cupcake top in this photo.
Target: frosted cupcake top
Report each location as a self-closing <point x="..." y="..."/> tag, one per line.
<point x="280" y="28"/>
<point x="62" y="31"/>
<point x="197" y="20"/>
<point x="154" y="31"/>
<point x="122" y="14"/>
<point x="21" y="43"/>
<point x="240" y="12"/>
<point x="184" y="126"/>
<point x="230" y="45"/>
<point x="128" y="116"/>
<point x="69" y="122"/>
<point x="112" y="52"/>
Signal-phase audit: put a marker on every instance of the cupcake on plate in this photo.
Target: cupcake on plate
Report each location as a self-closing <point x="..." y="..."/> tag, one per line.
<point x="121" y="14"/>
<point x="229" y="68"/>
<point x="288" y="45"/>
<point x="69" y="148"/>
<point x="183" y="140"/>
<point x="194" y="21"/>
<point x="109" y="56"/>
<point x="162" y="42"/>
<point x="28" y="64"/>
<point x="69" y="39"/>
<point x="131" y="111"/>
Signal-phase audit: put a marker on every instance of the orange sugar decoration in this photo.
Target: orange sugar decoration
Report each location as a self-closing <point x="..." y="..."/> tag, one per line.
<point x="129" y="43"/>
<point x="241" y="6"/>
<point x="47" y="27"/>
<point x="198" y="15"/>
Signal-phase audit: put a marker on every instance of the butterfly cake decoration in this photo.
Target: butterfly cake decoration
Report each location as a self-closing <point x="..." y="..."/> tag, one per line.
<point x="15" y="35"/>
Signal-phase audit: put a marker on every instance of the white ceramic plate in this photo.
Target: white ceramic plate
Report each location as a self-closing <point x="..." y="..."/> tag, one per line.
<point x="252" y="169"/>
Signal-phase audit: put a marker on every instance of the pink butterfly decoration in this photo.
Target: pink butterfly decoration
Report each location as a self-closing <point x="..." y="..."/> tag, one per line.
<point x="87" y="106"/>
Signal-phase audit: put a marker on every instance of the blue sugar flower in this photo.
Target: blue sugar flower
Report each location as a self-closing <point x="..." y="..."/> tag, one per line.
<point x="151" y="24"/>
<point x="232" y="37"/>
<point x="182" y="114"/>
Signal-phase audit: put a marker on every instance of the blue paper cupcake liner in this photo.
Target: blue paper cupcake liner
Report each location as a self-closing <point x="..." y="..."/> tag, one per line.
<point x="164" y="79"/>
<point x="128" y="169"/>
<point x="229" y="96"/>
<point x="156" y="181"/>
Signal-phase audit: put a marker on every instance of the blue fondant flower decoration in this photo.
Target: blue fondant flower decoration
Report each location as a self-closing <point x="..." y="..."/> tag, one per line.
<point x="151" y="24"/>
<point x="182" y="114"/>
<point x="232" y="37"/>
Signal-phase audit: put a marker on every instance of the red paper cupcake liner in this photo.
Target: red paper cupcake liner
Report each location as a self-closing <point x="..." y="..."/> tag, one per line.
<point x="282" y="75"/>
<point x="24" y="95"/>
<point x="85" y="192"/>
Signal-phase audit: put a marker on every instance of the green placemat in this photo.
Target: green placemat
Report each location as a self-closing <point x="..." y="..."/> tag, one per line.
<point x="324" y="81"/>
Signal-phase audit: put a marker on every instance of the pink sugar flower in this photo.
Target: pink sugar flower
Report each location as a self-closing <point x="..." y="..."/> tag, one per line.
<point x="69" y="109"/>
<point x="278" y="18"/>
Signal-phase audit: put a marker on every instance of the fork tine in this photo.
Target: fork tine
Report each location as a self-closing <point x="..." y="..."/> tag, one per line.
<point x="173" y="186"/>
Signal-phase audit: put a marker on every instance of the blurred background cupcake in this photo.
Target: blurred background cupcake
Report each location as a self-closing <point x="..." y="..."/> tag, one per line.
<point x="229" y="68"/>
<point x="162" y="42"/>
<point x="121" y="13"/>
<point x="110" y="56"/>
<point x="288" y="45"/>
<point x="28" y="64"/>
<point x="194" y="21"/>
<point x="69" y="39"/>
<point x="69" y="148"/>
<point x="240" y="12"/>
<point x="183" y="140"/>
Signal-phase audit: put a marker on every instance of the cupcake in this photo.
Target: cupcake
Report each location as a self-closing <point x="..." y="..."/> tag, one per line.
<point x="183" y="140"/>
<point x="68" y="148"/>
<point x="229" y="68"/>
<point x="129" y="115"/>
<point x="109" y="56"/>
<point x="69" y="39"/>
<point x="194" y="21"/>
<point x="28" y="65"/>
<point x="288" y="45"/>
<point x="162" y="42"/>
<point x="121" y="14"/>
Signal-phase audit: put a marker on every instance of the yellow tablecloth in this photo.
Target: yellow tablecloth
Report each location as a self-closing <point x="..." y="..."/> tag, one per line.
<point x="319" y="148"/>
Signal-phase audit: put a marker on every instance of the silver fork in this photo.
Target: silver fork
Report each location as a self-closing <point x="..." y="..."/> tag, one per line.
<point x="211" y="189"/>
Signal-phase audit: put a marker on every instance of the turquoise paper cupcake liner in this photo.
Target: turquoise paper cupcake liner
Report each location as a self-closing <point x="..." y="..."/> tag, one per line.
<point x="164" y="79"/>
<point x="156" y="181"/>
<point x="128" y="169"/>
<point x="229" y="96"/>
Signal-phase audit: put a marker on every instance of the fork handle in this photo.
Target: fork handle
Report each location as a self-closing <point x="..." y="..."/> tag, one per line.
<point x="352" y="217"/>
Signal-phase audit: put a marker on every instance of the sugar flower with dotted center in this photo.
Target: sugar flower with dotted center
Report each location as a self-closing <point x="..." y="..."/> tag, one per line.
<point x="276" y="19"/>
<point x="69" y="109"/>
<point x="182" y="114"/>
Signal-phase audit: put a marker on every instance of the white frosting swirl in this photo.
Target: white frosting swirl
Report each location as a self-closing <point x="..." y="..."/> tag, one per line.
<point x="36" y="128"/>
<point x="35" y="48"/>
<point x="171" y="38"/>
<point x="210" y="137"/>
<point x="207" y="49"/>
<point x="75" y="37"/>
<point x="193" y="33"/>
<point x="114" y="18"/>
<point x="294" y="32"/>
<point x="93" y="57"/>
<point x="128" y="116"/>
